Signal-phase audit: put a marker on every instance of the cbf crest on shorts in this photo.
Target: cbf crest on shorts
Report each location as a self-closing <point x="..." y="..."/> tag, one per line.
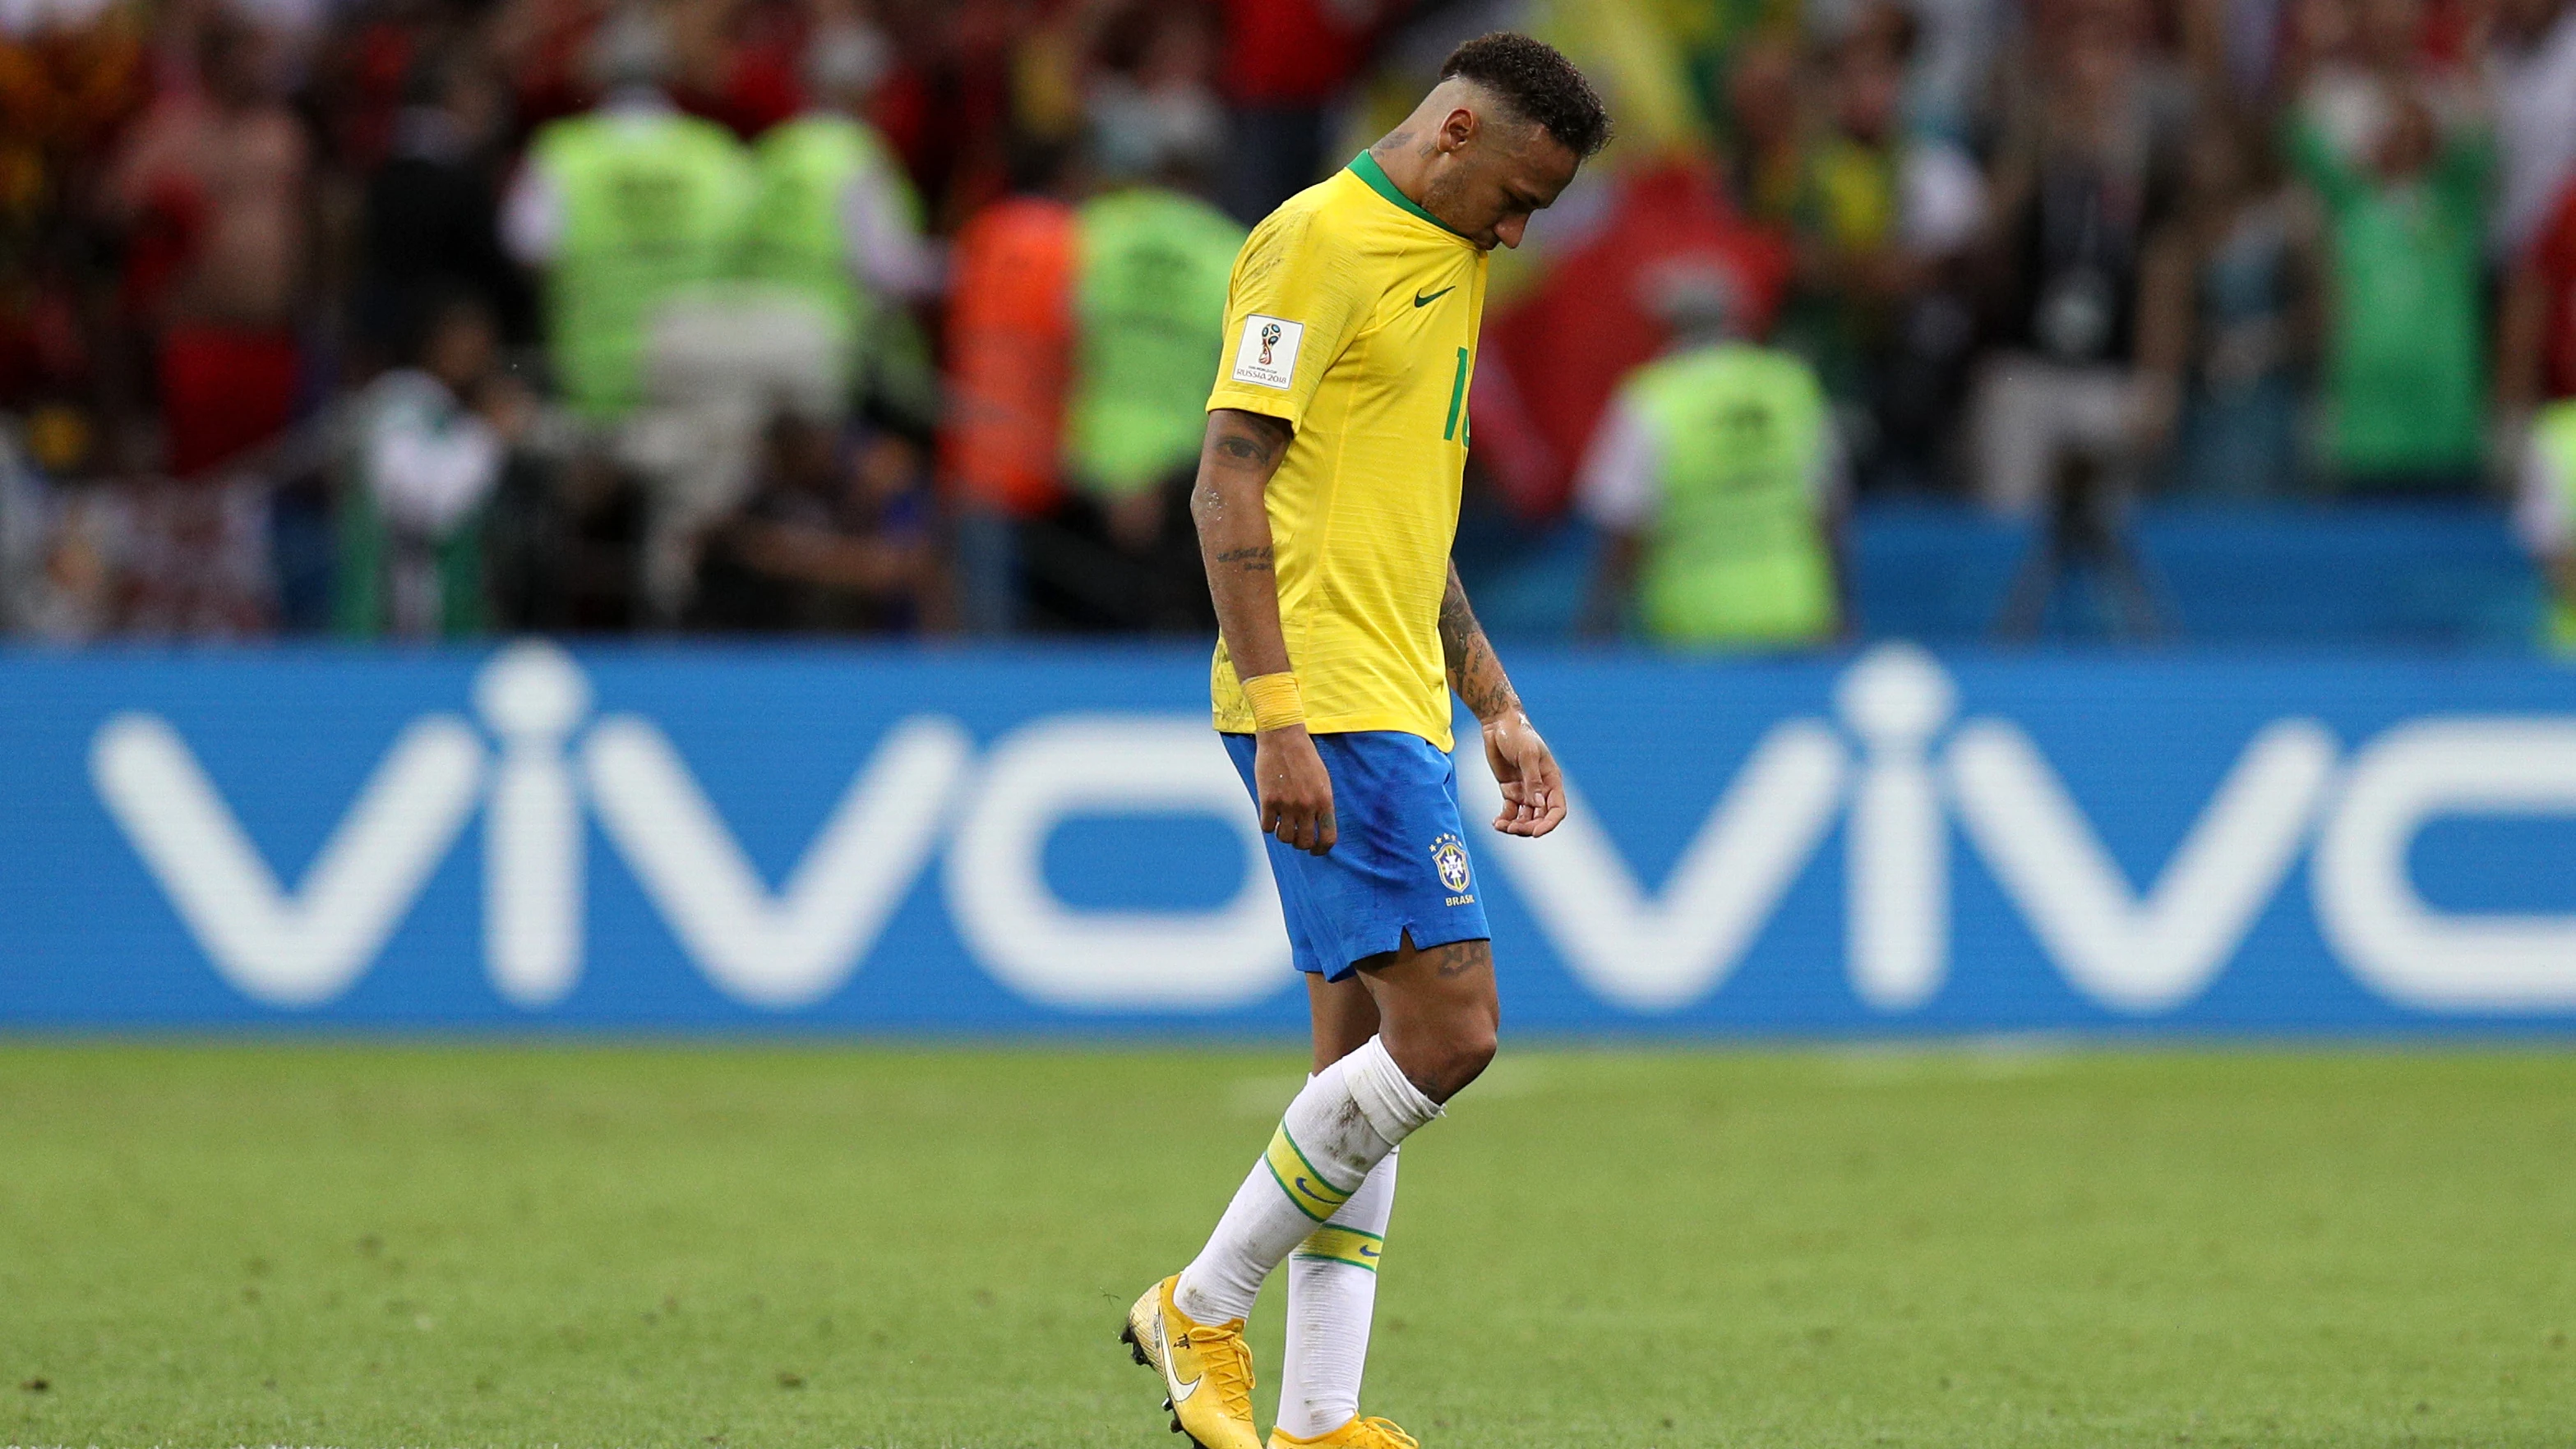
<point x="1449" y="857"/>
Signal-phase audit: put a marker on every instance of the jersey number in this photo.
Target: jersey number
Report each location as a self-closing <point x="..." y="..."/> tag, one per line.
<point x="1457" y="395"/>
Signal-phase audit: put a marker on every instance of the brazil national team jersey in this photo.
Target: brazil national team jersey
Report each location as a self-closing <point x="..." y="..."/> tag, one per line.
<point x="1352" y="317"/>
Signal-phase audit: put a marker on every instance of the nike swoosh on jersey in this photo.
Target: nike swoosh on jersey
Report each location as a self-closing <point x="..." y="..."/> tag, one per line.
<point x="1180" y="1391"/>
<point x="1419" y="300"/>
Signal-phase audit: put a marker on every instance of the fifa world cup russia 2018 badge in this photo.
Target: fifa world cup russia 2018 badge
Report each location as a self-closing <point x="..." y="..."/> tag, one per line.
<point x="1269" y="339"/>
<point x="1449" y="857"/>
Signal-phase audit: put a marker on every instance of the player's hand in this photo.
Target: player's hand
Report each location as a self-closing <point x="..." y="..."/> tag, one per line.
<point x="1533" y="787"/>
<point x="1296" y="792"/>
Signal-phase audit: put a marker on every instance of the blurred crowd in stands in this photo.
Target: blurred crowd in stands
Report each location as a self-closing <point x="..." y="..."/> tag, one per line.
<point x="428" y="318"/>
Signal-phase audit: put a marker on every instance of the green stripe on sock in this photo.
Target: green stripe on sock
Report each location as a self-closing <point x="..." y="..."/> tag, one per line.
<point x="1327" y="1189"/>
<point x="1335" y="1244"/>
<point x="1288" y="1192"/>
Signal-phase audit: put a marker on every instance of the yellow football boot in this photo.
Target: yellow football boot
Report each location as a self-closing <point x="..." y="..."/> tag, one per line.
<point x="1357" y="1434"/>
<point x="1207" y="1372"/>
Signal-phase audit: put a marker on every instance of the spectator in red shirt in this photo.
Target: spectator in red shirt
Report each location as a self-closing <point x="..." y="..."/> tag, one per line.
<point x="2536" y="337"/>
<point x="220" y="172"/>
<point x="1285" y="63"/>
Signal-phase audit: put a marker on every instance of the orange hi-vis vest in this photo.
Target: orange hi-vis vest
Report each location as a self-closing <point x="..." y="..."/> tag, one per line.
<point x="1010" y="356"/>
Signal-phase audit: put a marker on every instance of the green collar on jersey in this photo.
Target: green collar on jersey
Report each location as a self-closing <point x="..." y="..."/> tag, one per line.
<point x="1365" y="167"/>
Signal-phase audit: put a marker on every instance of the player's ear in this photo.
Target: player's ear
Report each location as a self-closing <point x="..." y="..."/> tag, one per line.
<point x="1458" y="128"/>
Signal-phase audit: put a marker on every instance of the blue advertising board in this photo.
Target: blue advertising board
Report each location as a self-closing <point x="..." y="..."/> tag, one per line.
<point x="680" y="838"/>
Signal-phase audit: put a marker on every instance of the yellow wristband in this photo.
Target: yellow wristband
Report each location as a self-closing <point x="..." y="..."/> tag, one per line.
<point x="1274" y="699"/>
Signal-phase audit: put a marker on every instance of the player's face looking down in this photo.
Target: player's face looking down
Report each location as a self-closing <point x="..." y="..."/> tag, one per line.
<point x="1485" y="171"/>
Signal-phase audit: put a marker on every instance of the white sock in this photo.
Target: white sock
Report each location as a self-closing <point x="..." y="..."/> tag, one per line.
<point x="1332" y="1289"/>
<point x="1351" y="1115"/>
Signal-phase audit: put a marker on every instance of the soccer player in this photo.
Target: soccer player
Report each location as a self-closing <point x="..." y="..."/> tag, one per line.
<point x="1326" y="501"/>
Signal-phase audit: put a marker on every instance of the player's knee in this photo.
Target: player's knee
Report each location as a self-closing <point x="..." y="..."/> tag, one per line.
<point x="1442" y="1053"/>
<point x="1472" y="1022"/>
<point x="1472" y="1051"/>
<point x="1461" y="1052"/>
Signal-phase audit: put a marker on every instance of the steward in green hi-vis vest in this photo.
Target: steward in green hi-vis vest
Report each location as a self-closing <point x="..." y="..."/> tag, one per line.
<point x="2553" y="432"/>
<point x="1738" y="551"/>
<point x="1149" y="311"/>
<point x="651" y="207"/>
<point x="794" y="236"/>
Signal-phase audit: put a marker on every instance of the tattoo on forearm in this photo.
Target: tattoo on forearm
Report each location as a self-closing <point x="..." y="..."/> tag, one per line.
<point x="1251" y="560"/>
<point x="1473" y="670"/>
<point x="1248" y="440"/>
<point x="1242" y="449"/>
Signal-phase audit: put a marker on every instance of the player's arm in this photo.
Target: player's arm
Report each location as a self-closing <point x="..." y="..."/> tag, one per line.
<point x="1242" y="451"/>
<point x="1533" y="787"/>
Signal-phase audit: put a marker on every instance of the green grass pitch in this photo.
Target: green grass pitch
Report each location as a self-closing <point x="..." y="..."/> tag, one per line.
<point x="905" y="1248"/>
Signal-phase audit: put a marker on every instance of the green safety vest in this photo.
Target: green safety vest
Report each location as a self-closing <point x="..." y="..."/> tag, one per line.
<point x="651" y="206"/>
<point x="1149" y="319"/>
<point x="2555" y="431"/>
<point x="1738" y="552"/>
<point x="793" y="238"/>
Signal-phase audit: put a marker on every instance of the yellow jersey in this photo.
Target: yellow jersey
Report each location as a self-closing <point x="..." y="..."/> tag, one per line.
<point x="1351" y="316"/>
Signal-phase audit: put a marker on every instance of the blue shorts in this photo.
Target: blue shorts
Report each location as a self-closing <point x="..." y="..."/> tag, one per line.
<point x="1400" y="866"/>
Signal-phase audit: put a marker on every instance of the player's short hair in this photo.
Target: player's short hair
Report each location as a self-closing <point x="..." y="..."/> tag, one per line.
<point x="1538" y="84"/>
